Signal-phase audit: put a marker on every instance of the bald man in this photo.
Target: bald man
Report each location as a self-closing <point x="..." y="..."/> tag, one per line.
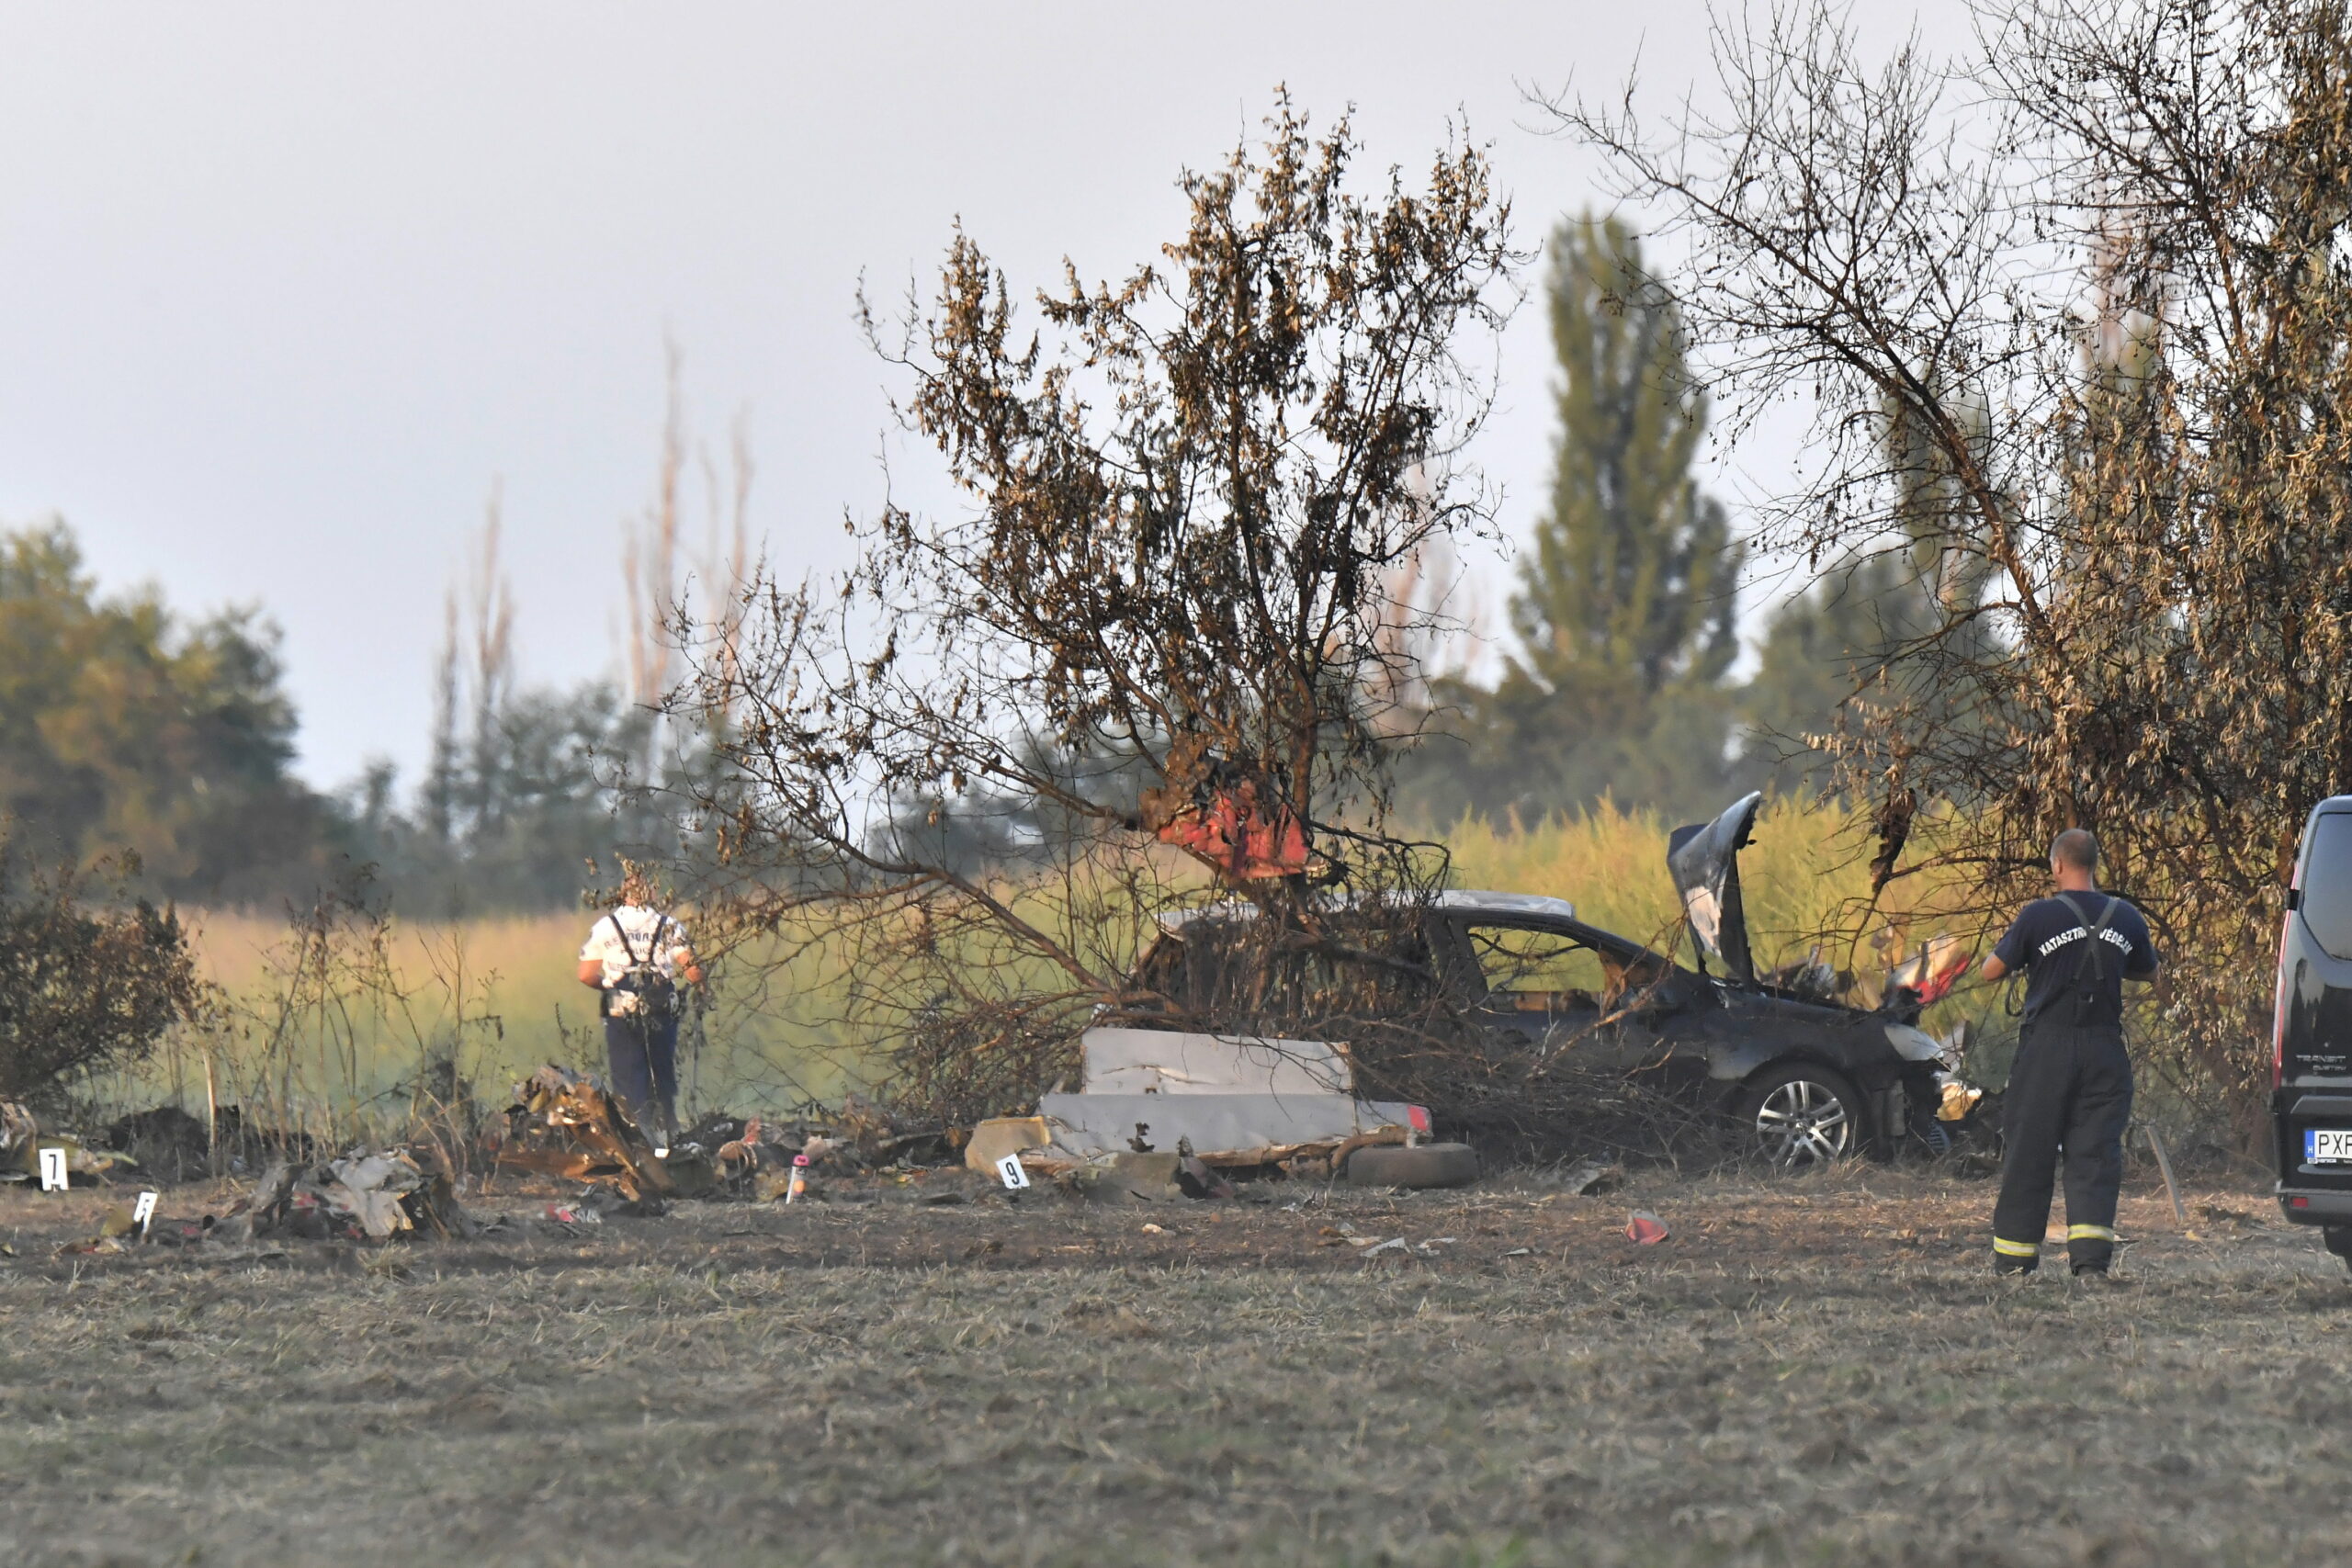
<point x="2071" y="1085"/>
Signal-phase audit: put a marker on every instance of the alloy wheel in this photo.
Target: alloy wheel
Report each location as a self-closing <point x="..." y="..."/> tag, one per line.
<point x="1803" y="1123"/>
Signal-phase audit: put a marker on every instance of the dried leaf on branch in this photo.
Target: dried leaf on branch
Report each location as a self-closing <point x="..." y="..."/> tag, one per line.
<point x="2075" y="318"/>
<point x="1153" y="658"/>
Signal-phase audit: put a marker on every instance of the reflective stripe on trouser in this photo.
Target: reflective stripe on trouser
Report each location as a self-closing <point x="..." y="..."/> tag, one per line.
<point x="2072" y="1087"/>
<point x="2015" y="1256"/>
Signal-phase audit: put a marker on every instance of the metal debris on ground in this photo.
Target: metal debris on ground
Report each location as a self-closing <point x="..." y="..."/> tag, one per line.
<point x="361" y="1196"/>
<point x="1644" y="1229"/>
<point x="22" y="1139"/>
<point x="993" y="1139"/>
<point x="567" y="1124"/>
<point x="755" y="1155"/>
<point x="1588" y="1178"/>
<point x="1196" y="1178"/>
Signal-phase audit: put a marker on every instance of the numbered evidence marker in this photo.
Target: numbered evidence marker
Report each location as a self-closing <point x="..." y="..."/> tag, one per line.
<point x="143" y="1212"/>
<point x="1009" y="1167"/>
<point x="52" y="1170"/>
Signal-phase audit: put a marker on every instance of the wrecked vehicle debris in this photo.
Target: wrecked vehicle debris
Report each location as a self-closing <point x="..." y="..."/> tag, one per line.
<point x="361" y="1196"/>
<point x="1816" y="1077"/>
<point x="22" y="1139"/>
<point x="365" y="1195"/>
<point x="1421" y="1165"/>
<point x="1001" y="1135"/>
<point x="567" y="1124"/>
<point x="1202" y="1105"/>
<point x="1589" y="1177"/>
<point x="1148" y="1089"/>
<point x="1476" y="998"/>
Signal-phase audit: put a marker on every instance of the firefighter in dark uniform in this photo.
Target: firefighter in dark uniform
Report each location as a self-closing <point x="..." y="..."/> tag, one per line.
<point x="2071" y="1085"/>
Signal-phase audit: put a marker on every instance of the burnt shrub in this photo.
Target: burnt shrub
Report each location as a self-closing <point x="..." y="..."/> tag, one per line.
<point x="86" y="981"/>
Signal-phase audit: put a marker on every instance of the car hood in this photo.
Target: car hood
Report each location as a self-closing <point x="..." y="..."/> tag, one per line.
<point x="1704" y="861"/>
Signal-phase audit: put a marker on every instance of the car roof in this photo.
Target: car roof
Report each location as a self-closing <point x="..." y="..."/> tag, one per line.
<point x="1459" y="900"/>
<point x="1481" y="902"/>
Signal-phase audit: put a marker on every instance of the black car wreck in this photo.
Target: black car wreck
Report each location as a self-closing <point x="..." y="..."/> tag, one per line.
<point x="1508" y="1018"/>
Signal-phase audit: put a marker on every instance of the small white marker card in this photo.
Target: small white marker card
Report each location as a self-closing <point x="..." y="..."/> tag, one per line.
<point x="143" y="1211"/>
<point x="52" y="1170"/>
<point x="1010" y="1168"/>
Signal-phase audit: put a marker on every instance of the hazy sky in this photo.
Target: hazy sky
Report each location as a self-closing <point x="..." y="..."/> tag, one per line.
<point x="287" y="288"/>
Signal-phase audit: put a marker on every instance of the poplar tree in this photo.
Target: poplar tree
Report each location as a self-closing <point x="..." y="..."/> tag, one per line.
<point x="1627" y="598"/>
<point x="1831" y="648"/>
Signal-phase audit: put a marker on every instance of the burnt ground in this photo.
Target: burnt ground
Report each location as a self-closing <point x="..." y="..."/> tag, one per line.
<point x="1817" y="1371"/>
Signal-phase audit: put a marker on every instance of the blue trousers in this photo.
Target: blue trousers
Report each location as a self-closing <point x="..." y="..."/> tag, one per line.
<point x="643" y="1057"/>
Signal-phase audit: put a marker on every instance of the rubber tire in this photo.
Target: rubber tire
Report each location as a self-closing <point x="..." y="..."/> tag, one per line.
<point x="2338" y="1240"/>
<point x="1752" y="1096"/>
<point x="1421" y="1165"/>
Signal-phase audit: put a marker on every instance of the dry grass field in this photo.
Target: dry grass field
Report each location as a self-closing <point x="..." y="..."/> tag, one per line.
<point x="1812" y="1371"/>
<point x="497" y="995"/>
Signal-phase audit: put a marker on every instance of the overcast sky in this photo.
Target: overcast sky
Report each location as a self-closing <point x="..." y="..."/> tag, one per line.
<point x="287" y="287"/>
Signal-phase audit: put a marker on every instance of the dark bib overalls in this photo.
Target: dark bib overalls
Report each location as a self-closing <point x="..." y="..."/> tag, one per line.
<point x="2070" y="1089"/>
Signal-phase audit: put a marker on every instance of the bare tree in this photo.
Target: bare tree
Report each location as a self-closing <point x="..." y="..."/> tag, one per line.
<point x="456" y="792"/>
<point x="491" y="598"/>
<point x="656" y="562"/>
<point x="1156" y="653"/>
<point x="649" y="556"/>
<point x="2074" y="317"/>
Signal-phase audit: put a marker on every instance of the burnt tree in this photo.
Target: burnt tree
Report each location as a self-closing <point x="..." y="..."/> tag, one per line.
<point x="1152" y="661"/>
<point x="2076" y="319"/>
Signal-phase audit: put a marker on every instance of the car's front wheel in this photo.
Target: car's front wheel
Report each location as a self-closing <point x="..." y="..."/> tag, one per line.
<point x="1799" y="1116"/>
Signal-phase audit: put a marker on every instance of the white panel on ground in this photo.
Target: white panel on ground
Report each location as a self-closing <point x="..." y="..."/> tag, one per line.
<point x="1156" y="1061"/>
<point x="1215" y="1124"/>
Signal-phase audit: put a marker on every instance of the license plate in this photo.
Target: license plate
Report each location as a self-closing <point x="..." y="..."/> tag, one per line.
<point x="2328" y="1145"/>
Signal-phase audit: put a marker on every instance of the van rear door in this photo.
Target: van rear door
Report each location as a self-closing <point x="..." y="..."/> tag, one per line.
<point x="2312" y="1107"/>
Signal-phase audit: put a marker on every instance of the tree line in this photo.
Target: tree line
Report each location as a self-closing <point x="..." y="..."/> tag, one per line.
<point x="128" y="729"/>
<point x="2071" y="319"/>
<point x="1619" y="682"/>
<point x="162" y="747"/>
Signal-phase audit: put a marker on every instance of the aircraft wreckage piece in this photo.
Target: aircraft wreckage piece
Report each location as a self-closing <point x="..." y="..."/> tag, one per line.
<point x="566" y="1124"/>
<point x="1219" y="1096"/>
<point x="362" y="1195"/>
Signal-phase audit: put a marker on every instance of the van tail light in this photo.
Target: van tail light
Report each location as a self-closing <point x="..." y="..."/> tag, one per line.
<point x="2278" y="1008"/>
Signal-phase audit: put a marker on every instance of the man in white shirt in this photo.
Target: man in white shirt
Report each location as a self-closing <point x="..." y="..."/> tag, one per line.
<point x="635" y="956"/>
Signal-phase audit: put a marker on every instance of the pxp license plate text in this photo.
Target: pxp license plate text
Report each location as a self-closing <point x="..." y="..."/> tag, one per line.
<point x="2326" y="1146"/>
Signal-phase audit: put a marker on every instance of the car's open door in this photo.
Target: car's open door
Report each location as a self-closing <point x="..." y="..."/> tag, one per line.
<point x="1704" y="861"/>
